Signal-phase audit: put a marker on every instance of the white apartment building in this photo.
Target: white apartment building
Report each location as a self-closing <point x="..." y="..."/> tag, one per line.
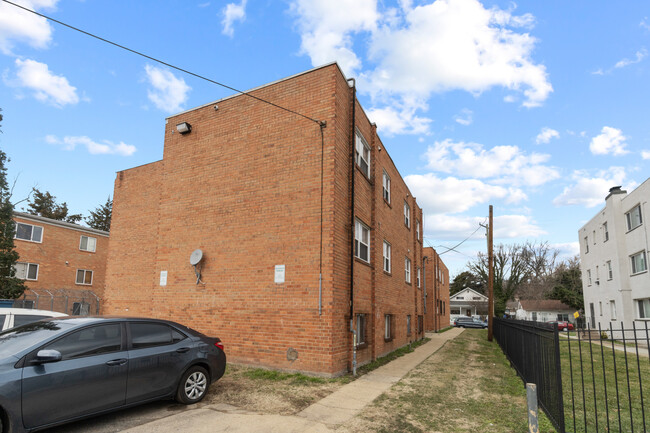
<point x="614" y="248"/>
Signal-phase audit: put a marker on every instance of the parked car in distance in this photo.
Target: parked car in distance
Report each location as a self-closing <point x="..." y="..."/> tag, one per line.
<point x="470" y="322"/>
<point x="10" y="317"/>
<point x="60" y="370"/>
<point x="562" y="325"/>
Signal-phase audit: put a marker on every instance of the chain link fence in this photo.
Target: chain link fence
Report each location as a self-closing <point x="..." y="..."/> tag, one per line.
<point x="71" y="302"/>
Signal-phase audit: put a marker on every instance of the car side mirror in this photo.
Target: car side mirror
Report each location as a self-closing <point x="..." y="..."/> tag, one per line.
<point x="46" y="356"/>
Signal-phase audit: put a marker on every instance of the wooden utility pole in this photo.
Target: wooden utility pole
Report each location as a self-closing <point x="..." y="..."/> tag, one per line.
<point x="490" y="275"/>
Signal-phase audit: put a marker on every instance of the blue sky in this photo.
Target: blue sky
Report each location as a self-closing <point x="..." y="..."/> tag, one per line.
<point x="537" y="108"/>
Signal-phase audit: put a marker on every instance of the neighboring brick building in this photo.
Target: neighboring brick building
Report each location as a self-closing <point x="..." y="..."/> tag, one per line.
<point x="269" y="204"/>
<point x="63" y="264"/>
<point x="437" y="291"/>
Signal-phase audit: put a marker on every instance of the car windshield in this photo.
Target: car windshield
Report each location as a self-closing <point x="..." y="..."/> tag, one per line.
<point x="18" y="339"/>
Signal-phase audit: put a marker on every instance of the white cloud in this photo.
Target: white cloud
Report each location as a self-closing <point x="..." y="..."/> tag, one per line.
<point x="326" y="28"/>
<point x="503" y="164"/>
<point x="645" y="154"/>
<point x="445" y="226"/>
<point x="169" y="93"/>
<point x="590" y="191"/>
<point x="546" y="135"/>
<point x="516" y="226"/>
<point x="644" y="23"/>
<point x="465" y="117"/>
<point x="47" y="87"/>
<point x="567" y="250"/>
<point x="640" y="55"/>
<point x="452" y="195"/>
<point x="17" y="25"/>
<point x="104" y="148"/>
<point x="610" y="141"/>
<point x="395" y="121"/>
<point x="231" y="13"/>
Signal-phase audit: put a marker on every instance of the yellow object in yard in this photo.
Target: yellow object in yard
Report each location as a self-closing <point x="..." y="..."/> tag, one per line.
<point x="576" y="314"/>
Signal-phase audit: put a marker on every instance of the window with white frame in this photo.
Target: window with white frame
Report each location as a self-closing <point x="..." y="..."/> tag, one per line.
<point x="363" y="154"/>
<point x="600" y="307"/>
<point x="85" y="277"/>
<point x="408" y="324"/>
<point x="407" y="215"/>
<point x="417" y="229"/>
<point x="612" y="309"/>
<point x="639" y="262"/>
<point x="388" y="327"/>
<point x="26" y="271"/>
<point x="644" y="308"/>
<point x="605" y="232"/>
<point x="362" y="241"/>
<point x="386" y="186"/>
<point x="407" y="270"/>
<point x="387" y="256"/>
<point x="361" y="329"/>
<point x="586" y="244"/>
<point x="610" y="273"/>
<point x="417" y="277"/>
<point x="634" y="218"/>
<point x="28" y="232"/>
<point x="594" y="236"/>
<point x="88" y="243"/>
<point x="589" y="277"/>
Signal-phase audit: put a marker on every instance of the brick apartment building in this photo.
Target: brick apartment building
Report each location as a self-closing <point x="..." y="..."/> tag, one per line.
<point x="267" y="195"/>
<point x="63" y="264"/>
<point x="437" y="291"/>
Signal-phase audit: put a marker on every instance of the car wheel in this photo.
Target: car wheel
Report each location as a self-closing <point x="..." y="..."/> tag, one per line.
<point x="193" y="385"/>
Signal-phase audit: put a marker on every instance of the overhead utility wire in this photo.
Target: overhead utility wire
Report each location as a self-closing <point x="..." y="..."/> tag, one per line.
<point x="163" y="63"/>
<point x="460" y="243"/>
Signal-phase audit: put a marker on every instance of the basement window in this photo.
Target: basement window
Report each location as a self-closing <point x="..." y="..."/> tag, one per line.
<point x="361" y="330"/>
<point x="388" y="327"/>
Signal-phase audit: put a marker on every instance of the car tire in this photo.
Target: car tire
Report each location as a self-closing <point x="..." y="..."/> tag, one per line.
<point x="193" y="385"/>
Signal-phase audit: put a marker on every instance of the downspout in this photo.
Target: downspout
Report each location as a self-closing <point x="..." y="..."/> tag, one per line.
<point x="424" y="282"/>
<point x="435" y="292"/>
<point x="352" y="223"/>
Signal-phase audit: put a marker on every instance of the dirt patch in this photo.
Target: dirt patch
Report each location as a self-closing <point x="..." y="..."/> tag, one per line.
<point x="282" y="394"/>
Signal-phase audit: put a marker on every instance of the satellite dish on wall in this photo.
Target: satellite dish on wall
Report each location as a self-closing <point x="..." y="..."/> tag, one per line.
<point x="196" y="257"/>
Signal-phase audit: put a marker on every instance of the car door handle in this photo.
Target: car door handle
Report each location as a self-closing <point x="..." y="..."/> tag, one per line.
<point x="116" y="362"/>
<point x="183" y="350"/>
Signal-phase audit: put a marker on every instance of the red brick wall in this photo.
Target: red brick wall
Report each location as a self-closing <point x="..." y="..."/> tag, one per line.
<point x="437" y="281"/>
<point x="245" y="187"/>
<point x="58" y="257"/>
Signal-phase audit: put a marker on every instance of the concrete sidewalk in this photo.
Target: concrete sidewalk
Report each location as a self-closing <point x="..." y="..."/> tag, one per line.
<point x="322" y="416"/>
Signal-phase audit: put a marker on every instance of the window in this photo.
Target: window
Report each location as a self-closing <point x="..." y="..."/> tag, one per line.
<point x="407" y="215"/>
<point x="28" y="232"/>
<point x="417" y="229"/>
<point x="388" y="327"/>
<point x="594" y="237"/>
<point x="420" y="324"/>
<point x="417" y="277"/>
<point x="644" y="308"/>
<point x="454" y="310"/>
<point x="563" y="317"/>
<point x="386" y="184"/>
<point x="534" y="316"/>
<point x="634" y="218"/>
<point x="460" y="298"/>
<point x="361" y="330"/>
<point x="600" y="307"/>
<point x="605" y="232"/>
<point x="363" y="154"/>
<point x="84" y="276"/>
<point x="95" y="340"/>
<point x="612" y="309"/>
<point x="408" y="324"/>
<point x="610" y="274"/>
<point x="362" y="241"/>
<point x="586" y="244"/>
<point x="153" y="334"/>
<point x="589" y="277"/>
<point x="386" y="257"/>
<point x="639" y="263"/>
<point x="87" y="243"/>
<point x="407" y="270"/>
<point x="80" y="308"/>
<point x="26" y="271"/>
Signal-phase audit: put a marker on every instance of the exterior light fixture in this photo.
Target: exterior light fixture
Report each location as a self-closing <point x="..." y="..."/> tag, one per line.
<point x="184" y="128"/>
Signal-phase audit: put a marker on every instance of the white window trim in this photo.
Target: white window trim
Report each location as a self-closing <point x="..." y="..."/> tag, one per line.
<point x="40" y="241"/>
<point x="358" y="237"/>
<point x="386" y="186"/>
<point x="610" y="271"/>
<point x="387" y="257"/>
<point x="87" y="243"/>
<point x="417" y="277"/>
<point x="645" y="262"/>
<point x="589" y="277"/>
<point x="586" y="244"/>
<point x="417" y="229"/>
<point x="407" y="270"/>
<point x="362" y="144"/>
<point x="605" y="232"/>
<point x="388" y="334"/>
<point x="628" y="220"/>
<point x="92" y="277"/>
<point x="639" y="303"/>
<point x="612" y="309"/>
<point x="27" y="265"/>
<point x="407" y="215"/>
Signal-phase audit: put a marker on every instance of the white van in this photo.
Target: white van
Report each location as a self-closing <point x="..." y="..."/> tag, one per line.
<point x="11" y="317"/>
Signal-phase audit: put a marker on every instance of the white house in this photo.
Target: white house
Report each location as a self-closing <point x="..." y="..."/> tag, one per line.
<point x="614" y="259"/>
<point x="544" y="310"/>
<point x="467" y="302"/>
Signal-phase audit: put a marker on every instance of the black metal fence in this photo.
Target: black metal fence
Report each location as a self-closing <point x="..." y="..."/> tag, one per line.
<point x="533" y="350"/>
<point x="588" y="380"/>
